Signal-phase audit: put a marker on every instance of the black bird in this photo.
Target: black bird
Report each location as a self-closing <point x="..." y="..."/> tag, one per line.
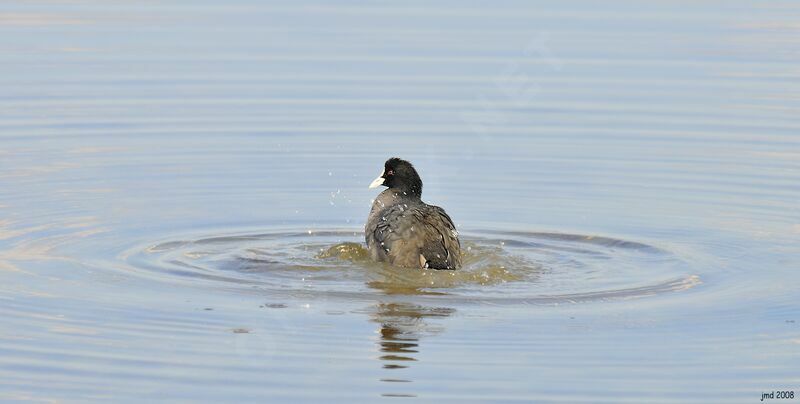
<point x="404" y="231"/>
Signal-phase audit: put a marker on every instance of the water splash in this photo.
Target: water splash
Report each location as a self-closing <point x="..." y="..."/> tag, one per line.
<point x="498" y="266"/>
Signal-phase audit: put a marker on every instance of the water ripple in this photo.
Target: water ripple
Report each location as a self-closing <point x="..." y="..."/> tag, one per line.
<point x="499" y="266"/>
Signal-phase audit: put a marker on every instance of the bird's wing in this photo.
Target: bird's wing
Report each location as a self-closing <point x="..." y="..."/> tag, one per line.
<point x="382" y="234"/>
<point x="443" y="250"/>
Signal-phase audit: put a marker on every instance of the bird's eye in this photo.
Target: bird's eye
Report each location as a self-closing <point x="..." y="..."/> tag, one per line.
<point x="390" y="172"/>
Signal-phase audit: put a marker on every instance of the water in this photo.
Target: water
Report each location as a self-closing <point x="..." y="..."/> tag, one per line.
<point x="184" y="189"/>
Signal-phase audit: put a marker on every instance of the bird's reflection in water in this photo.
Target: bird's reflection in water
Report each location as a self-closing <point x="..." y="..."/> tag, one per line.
<point x="402" y="325"/>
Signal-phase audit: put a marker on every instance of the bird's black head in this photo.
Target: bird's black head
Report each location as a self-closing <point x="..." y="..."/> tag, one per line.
<point x="400" y="175"/>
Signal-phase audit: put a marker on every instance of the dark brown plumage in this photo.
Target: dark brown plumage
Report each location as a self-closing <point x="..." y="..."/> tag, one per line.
<point x="405" y="231"/>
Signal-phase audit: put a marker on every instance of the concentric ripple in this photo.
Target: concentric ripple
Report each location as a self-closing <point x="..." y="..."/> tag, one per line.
<point x="498" y="266"/>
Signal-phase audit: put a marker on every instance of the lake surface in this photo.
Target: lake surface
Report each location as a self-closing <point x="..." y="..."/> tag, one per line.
<point x="183" y="189"/>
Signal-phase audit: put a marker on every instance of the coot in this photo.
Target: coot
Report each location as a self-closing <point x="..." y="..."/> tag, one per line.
<point x="404" y="231"/>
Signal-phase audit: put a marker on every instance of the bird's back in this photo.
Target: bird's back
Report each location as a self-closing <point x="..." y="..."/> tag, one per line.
<point x="410" y="233"/>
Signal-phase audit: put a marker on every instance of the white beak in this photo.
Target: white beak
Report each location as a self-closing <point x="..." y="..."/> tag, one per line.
<point x="377" y="181"/>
